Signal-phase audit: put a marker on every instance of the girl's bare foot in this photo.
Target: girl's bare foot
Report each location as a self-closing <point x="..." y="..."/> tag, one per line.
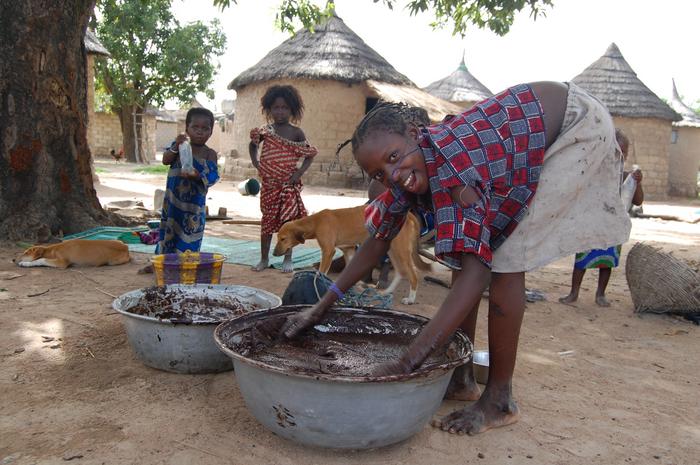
<point x="602" y="301"/>
<point x="484" y="414"/>
<point x="569" y="299"/>
<point x="262" y="264"/>
<point x="463" y="385"/>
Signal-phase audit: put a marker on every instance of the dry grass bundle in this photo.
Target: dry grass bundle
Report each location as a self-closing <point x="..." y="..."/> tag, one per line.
<point x="661" y="283"/>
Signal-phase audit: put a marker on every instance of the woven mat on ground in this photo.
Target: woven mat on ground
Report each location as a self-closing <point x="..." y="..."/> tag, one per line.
<point x="238" y="251"/>
<point x="660" y="282"/>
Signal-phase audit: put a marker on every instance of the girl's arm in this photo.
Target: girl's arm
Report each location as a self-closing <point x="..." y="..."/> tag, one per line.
<point x="465" y="293"/>
<point x="300" y="172"/>
<point x="253" y="152"/>
<point x="638" y="197"/>
<point x="255" y="139"/>
<point x="171" y="154"/>
<point x="309" y="153"/>
<point x="367" y="255"/>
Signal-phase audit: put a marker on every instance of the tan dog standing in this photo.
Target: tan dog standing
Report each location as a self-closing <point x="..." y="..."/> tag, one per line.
<point x="81" y="252"/>
<point x="344" y="228"/>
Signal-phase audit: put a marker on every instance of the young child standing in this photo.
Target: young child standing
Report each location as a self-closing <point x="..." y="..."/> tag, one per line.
<point x="509" y="180"/>
<point x="283" y="144"/>
<point x="183" y="213"/>
<point x="603" y="259"/>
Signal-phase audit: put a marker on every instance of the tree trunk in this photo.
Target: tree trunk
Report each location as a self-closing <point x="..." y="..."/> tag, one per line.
<point x="133" y="152"/>
<point x="45" y="176"/>
<point x="127" y="122"/>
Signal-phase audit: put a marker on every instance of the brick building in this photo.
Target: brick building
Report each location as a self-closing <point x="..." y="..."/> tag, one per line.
<point x="640" y="113"/>
<point x="339" y="78"/>
<point x="685" y="150"/>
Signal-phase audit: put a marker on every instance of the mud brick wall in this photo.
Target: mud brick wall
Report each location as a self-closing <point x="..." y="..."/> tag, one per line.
<point x="650" y="149"/>
<point x="685" y="162"/>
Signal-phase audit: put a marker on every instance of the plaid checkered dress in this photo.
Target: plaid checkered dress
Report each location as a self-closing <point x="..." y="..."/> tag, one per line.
<point x="496" y="147"/>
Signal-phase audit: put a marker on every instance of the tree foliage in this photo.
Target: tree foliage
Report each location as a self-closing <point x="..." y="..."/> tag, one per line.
<point x="153" y="57"/>
<point x="495" y="15"/>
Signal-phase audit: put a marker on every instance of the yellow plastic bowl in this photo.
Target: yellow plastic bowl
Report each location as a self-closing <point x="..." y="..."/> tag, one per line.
<point x="188" y="268"/>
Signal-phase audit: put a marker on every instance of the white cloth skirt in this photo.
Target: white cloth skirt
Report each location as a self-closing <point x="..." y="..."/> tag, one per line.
<point x="577" y="205"/>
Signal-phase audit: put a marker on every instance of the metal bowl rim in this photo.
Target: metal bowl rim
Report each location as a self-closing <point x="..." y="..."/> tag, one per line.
<point x="435" y="371"/>
<point x="268" y="294"/>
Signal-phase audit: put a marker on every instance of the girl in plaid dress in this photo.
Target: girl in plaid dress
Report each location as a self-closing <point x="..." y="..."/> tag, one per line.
<point x="509" y="181"/>
<point x="283" y="145"/>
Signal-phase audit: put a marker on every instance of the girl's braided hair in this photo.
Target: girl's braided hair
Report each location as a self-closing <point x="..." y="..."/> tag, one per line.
<point x="289" y="94"/>
<point x="391" y="117"/>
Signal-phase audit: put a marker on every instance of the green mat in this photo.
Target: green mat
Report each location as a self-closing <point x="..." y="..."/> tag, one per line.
<point x="238" y="251"/>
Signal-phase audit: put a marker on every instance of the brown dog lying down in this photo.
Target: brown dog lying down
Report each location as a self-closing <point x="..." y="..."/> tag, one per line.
<point x="344" y="228"/>
<point x="75" y="252"/>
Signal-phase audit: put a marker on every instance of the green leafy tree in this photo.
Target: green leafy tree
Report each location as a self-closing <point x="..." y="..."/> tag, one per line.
<point x="153" y="58"/>
<point x="496" y="15"/>
<point x="46" y="183"/>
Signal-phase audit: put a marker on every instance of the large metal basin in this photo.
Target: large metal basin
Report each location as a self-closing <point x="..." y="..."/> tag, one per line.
<point x="179" y="345"/>
<point x="341" y="412"/>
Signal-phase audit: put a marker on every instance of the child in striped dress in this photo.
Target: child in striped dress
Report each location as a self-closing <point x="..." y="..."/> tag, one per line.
<point x="283" y="145"/>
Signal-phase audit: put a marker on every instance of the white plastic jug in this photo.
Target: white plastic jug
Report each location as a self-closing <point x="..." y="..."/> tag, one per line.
<point x="628" y="189"/>
<point x="185" y="151"/>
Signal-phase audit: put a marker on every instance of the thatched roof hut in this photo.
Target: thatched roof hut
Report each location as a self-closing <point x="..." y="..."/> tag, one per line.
<point x="685" y="149"/>
<point x="614" y="82"/>
<point x="644" y="117"/>
<point x="340" y="78"/>
<point x="688" y="115"/>
<point x="460" y="87"/>
<point x="333" y="51"/>
<point x="93" y="44"/>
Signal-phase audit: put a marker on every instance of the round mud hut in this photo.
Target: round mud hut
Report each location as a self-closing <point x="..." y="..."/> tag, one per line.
<point x="340" y="78"/>
<point x="460" y="87"/>
<point x="685" y="150"/>
<point x="639" y="112"/>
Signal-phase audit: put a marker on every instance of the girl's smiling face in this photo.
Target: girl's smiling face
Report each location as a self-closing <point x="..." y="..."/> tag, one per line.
<point x="394" y="159"/>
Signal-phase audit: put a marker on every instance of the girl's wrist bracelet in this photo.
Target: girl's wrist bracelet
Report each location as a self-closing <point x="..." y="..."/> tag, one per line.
<point x="333" y="288"/>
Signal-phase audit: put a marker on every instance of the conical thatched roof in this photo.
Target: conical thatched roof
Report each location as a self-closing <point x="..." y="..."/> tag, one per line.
<point x="460" y="86"/>
<point x="93" y="44"/>
<point x="332" y="52"/>
<point x="690" y="118"/>
<point x="615" y="83"/>
<point x="437" y="108"/>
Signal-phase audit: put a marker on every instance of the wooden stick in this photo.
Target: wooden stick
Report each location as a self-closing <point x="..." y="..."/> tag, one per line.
<point x="38" y="294"/>
<point x="86" y="276"/>
<point x="90" y="352"/>
<point x="106" y="293"/>
<point x="197" y="448"/>
<point x="252" y="222"/>
<point x="426" y="254"/>
<point x="665" y="217"/>
<point x="438" y="281"/>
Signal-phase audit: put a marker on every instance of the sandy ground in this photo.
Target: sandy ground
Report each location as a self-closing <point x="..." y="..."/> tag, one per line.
<point x="595" y="386"/>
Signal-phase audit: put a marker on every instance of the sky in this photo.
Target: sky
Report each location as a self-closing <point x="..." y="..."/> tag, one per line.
<point x="659" y="40"/>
